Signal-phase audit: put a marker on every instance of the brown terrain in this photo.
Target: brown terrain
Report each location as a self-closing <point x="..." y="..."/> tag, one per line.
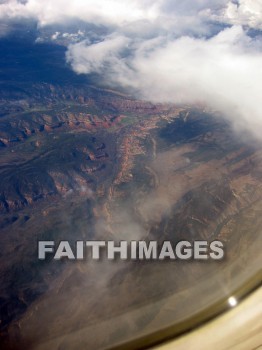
<point x="97" y="164"/>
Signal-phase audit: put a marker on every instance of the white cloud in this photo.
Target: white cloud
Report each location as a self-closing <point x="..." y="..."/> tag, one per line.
<point x="223" y="72"/>
<point x="101" y="12"/>
<point x="169" y="14"/>
<point x="246" y="12"/>
<point x="87" y="58"/>
<point x="55" y="36"/>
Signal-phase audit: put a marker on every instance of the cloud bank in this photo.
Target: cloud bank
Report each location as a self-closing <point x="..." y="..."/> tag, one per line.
<point x="191" y="51"/>
<point x="161" y="14"/>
